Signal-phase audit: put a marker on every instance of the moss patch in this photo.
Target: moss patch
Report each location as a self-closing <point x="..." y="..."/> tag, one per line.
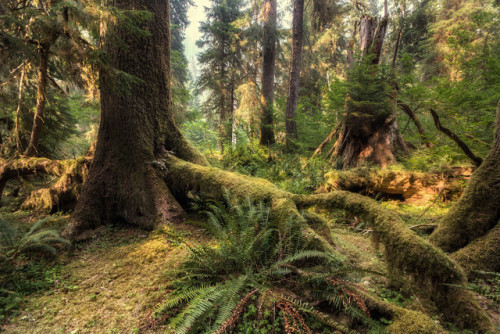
<point x="110" y="286"/>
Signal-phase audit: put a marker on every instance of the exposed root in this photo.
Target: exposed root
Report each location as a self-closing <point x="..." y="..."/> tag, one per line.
<point x="482" y="254"/>
<point x="405" y="252"/>
<point x="403" y="320"/>
<point x="62" y="194"/>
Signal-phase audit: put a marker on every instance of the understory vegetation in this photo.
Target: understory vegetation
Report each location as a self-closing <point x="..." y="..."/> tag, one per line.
<point x="295" y="167"/>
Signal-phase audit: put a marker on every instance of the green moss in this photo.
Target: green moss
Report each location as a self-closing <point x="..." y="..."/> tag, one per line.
<point x="481" y="254"/>
<point x="408" y="253"/>
<point x="412" y="322"/>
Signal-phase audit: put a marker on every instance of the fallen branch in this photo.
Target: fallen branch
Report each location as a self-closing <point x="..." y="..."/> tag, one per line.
<point x="408" y="111"/>
<point x="327" y="140"/>
<point x="463" y="146"/>
<point x="422" y="225"/>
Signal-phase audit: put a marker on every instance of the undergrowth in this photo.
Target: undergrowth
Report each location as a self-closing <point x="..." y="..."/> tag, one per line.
<point x="24" y="266"/>
<point x="257" y="277"/>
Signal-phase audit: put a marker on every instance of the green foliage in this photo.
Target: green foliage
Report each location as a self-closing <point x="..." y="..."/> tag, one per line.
<point x="488" y="286"/>
<point x="252" y="257"/>
<point x="13" y="243"/>
<point x="18" y="278"/>
<point x="368" y="91"/>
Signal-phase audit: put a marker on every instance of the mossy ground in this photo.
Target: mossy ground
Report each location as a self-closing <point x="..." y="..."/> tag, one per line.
<point x="106" y="285"/>
<point x="110" y="283"/>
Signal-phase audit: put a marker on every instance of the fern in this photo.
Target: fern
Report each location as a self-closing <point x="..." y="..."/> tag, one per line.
<point x="12" y="243"/>
<point x="252" y="256"/>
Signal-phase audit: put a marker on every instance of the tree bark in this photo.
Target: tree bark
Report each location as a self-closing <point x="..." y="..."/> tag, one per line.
<point x="478" y="210"/>
<point x="269" y="62"/>
<point x="295" y="61"/>
<point x="41" y="99"/>
<point x="136" y="128"/>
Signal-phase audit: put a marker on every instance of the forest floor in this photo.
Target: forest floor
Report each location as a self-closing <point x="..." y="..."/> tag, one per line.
<point x="111" y="282"/>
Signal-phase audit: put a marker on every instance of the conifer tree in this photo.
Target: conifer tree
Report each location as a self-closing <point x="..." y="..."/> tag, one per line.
<point x="220" y="62"/>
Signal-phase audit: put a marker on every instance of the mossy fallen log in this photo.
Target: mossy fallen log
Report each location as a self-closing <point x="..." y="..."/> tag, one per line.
<point x="406" y="252"/>
<point x="412" y="187"/>
<point x="62" y="194"/>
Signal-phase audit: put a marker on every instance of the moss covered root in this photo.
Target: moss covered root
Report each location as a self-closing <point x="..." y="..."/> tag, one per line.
<point x="478" y="210"/>
<point x="62" y="194"/>
<point x="482" y="254"/>
<point x="405" y="251"/>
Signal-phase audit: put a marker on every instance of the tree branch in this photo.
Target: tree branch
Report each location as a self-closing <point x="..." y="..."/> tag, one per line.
<point x="463" y="146"/>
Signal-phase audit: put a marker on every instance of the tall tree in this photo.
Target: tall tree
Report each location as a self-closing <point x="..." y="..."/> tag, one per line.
<point x="220" y="62"/>
<point x="38" y="34"/>
<point x="180" y="74"/>
<point x="137" y="125"/>
<point x="295" y="60"/>
<point x="269" y="64"/>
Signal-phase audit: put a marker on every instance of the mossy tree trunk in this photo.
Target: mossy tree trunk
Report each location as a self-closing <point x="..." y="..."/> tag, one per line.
<point x="472" y="222"/>
<point x="136" y="128"/>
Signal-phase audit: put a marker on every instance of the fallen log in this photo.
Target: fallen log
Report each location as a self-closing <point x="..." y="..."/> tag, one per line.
<point x="412" y="187"/>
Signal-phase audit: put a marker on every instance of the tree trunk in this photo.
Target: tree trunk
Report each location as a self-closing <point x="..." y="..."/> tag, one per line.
<point x="478" y="210"/>
<point x="136" y="128"/>
<point x="369" y="134"/>
<point x="41" y="98"/>
<point x="269" y="61"/>
<point x="293" y="87"/>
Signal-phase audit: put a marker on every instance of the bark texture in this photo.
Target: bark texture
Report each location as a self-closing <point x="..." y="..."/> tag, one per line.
<point x="478" y="210"/>
<point x="269" y="62"/>
<point x="41" y="99"/>
<point x="136" y="127"/>
<point x="295" y="62"/>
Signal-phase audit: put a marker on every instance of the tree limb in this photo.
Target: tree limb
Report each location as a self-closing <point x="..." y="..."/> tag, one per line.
<point x="463" y="146"/>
